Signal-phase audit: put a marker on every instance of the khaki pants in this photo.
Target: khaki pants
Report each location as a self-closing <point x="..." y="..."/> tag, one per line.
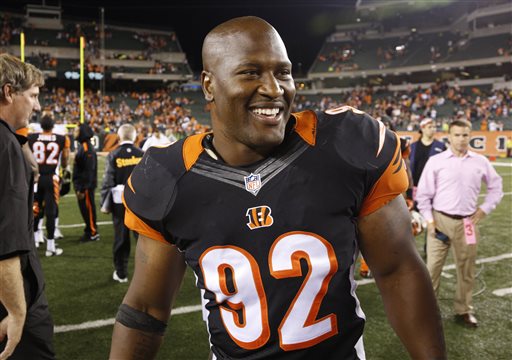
<point x="463" y="254"/>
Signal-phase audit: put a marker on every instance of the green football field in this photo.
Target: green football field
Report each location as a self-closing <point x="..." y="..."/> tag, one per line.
<point x="84" y="299"/>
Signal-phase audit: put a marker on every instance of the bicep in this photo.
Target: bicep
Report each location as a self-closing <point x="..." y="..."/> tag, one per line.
<point x="385" y="237"/>
<point x="159" y="271"/>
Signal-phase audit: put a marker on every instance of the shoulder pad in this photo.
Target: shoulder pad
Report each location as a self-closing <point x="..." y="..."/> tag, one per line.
<point x="360" y="139"/>
<point x="151" y="187"/>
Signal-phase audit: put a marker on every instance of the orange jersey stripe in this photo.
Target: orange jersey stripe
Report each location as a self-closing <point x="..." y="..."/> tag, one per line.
<point x="22" y="131"/>
<point x="129" y="183"/>
<point x="134" y="223"/>
<point x="56" y="190"/>
<point x="192" y="148"/>
<point x="89" y="210"/>
<point x="392" y="182"/>
<point x="306" y="126"/>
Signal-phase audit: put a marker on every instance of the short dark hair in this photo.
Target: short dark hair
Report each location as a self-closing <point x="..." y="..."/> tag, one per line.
<point x="459" y="123"/>
<point x="46" y="123"/>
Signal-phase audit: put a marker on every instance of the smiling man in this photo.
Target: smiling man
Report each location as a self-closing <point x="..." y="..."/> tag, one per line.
<point x="270" y="211"/>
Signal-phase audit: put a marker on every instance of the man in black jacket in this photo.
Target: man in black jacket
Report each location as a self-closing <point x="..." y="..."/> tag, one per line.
<point x="120" y="164"/>
<point x="26" y="326"/>
<point x="85" y="171"/>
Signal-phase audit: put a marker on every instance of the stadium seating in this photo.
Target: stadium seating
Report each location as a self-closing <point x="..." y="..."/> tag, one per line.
<point x="127" y="50"/>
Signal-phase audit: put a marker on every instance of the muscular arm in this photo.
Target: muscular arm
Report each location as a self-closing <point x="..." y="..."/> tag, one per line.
<point x="159" y="271"/>
<point x="12" y="297"/>
<point x="386" y="242"/>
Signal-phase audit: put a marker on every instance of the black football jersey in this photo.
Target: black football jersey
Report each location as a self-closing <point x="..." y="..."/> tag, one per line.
<point x="273" y="245"/>
<point x="121" y="162"/>
<point x="47" y="148"/>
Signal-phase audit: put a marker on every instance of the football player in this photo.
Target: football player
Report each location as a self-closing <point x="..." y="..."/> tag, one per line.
<point x="85" y="174"/>
<point x="50" y="150"/>
<point x="270" y="210"/>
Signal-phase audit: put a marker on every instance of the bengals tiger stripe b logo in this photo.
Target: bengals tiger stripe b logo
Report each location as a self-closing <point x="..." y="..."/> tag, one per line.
<point x="259" y="217"/>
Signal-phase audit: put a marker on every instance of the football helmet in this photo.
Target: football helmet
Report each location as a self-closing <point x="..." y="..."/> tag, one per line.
<point x="418" y="222"/>
<point x="65" y="183"/>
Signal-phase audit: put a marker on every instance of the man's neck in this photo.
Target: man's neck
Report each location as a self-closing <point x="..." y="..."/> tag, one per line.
<point x="458" y="153"/>
<point x="6" y="118"/>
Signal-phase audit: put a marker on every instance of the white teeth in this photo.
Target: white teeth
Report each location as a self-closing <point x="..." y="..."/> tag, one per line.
<point x="266" y="111"/>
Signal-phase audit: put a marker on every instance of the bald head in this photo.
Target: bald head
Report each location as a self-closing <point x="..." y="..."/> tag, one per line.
<point x="127" y="132"/>
<point x="226" y="36"/>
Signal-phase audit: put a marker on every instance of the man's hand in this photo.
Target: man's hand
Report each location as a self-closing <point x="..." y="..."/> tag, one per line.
<point x="431" y="228"/>
<point x="12" y="327"/>
<point x="80" y="195"/>
<point x="477" y="216"/>
<point x="12" y="298"/>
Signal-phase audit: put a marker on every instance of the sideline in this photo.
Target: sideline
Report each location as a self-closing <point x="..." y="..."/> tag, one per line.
<point x="193" y="308"/>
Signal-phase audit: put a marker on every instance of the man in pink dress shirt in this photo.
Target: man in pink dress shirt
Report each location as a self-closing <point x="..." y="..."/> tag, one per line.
<point x="447" y="197"/>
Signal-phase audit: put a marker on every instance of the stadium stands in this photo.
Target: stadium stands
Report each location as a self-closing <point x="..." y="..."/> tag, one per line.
<point x="128" y="53"/>
<point x="478" y="42"/>
<point x="449" y="66"/>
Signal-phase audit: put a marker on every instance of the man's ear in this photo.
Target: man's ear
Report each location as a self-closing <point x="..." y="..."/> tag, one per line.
<point x="206" y="84"/>
<point x="8" y="93"/>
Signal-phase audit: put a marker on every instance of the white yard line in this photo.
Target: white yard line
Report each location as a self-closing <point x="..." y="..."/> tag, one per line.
<point x="82" y="224"/>
<point x="504" y="194"/>
<point x="106" y="322"/>
<point x="502" y="292"/>
<point x="193" y="308"/>
<point x="505" y="164"/>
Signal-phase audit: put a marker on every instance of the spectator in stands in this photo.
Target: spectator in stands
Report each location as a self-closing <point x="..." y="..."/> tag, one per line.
<point x="85" y="173"/>
<point x="119" y="165"/>
<point x="26" y="326"/>
<point x="111" y="140"/>
<point x="448" y="200"/>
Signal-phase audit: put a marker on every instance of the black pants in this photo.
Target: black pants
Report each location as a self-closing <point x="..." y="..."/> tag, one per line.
<point x="47" y="198"/>
<point x="37" y="338"/>
<point x="121" y="248"/>
<point x="88" y="211"/>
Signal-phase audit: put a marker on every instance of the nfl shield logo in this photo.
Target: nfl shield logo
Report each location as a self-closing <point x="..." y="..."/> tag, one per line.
<point x="253" y="183"/>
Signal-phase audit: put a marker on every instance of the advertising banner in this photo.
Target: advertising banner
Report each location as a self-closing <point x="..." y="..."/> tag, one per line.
<point x="489" y="143"/>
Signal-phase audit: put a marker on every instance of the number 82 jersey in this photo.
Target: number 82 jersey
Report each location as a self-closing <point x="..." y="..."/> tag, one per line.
<point x="273" y="245"/>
